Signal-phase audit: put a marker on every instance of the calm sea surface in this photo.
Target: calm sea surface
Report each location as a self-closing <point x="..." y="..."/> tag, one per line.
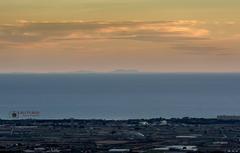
<point x="120" y="96"/>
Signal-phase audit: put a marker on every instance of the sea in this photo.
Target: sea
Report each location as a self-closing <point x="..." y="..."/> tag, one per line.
<point x="120" y="96"/>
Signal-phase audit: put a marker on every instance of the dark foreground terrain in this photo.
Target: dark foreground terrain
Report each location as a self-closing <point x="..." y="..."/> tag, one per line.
<point x="150" y="136"/>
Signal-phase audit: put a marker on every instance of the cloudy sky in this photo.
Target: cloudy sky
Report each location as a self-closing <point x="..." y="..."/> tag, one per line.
<point x="104" y="35"/>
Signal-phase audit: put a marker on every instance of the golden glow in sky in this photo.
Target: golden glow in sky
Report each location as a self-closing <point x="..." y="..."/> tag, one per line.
<point x="103" y="35"/>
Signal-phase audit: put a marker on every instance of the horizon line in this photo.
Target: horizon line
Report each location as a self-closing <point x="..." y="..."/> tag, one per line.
<point x="113" y="72"/>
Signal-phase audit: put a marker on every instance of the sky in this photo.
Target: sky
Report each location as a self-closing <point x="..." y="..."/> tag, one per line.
<point x="105" y="35"/>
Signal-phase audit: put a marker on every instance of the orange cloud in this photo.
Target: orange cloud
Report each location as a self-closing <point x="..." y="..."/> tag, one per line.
<point x="187" y="36"/>
<point x="32" y="31"/>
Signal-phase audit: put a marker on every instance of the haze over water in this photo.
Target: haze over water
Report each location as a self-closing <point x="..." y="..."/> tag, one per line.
<point x="120" y="96"/>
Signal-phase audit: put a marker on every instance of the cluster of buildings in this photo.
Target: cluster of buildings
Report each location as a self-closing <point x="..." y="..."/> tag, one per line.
<point x="186" y="135"/>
